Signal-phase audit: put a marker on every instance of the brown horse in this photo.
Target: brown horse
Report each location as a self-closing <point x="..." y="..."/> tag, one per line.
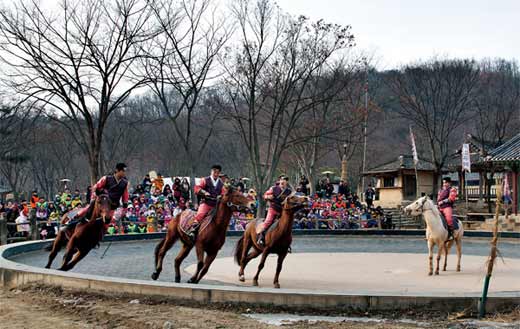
<point x="87" y="234"/>
<point x="277" y="240"/>
<point x="62" y="237"/>
<point x="209" y="240"/>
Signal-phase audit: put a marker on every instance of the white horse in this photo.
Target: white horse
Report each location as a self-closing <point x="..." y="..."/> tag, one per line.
<point x="436" y="233"/>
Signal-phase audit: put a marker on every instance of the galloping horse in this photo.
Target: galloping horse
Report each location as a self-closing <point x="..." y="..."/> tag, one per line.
<point x="62" y="237"/>
<point x="436" y="232"/>
<point x="277" y="240"/>
<point x="86" y="234"/>
<point x="210" y="239"/>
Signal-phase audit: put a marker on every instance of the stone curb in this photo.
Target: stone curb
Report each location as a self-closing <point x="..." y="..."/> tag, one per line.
<point x="13" y="275"/>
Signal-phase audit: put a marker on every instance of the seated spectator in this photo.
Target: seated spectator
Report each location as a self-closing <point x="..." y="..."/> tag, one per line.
<point x="185" y="189"/>
<point x="147" y="183"/>
<point x="49" y="230"/>
<point x="111" y="230"/>
<point x="158" y="182"/>
<point x="132" y="228"/>
<point x="142" y="228"/>
<point x="75" y="202"/>
<point x="139" y="189"/>
<point x="23" y="227"/>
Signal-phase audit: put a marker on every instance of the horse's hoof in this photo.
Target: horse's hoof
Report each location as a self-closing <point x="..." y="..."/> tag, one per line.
<point x="48" y="266"/>
<point x="436" y="272"/>
<point x="255" y="283"/>
<point x="155" y="276"/>
<point x="444" y="270"/>
<point x="193" y="281"/>
<point x="177" y="279"/>
<point x="241" y="278"/>
<point x="430" y="273"/>
<point x="458" y="269"/>
<point x="277" y="285"/>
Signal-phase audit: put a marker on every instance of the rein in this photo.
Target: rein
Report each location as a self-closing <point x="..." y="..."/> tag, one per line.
<point x="429" y="209"/>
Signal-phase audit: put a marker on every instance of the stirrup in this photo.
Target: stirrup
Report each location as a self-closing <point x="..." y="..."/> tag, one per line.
<point x="194" y="229"/>
<point x="261" y="239"/>
<point x="450" y="235"/>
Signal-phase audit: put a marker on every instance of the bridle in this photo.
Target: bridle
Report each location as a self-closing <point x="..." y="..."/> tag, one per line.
<point x="422" y="206"/>
<point x="291" y="204"/>
<point x="102" y="200"/>
<point x="229" y="204"/>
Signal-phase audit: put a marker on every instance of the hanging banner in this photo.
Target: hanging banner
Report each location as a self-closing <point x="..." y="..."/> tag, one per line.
<point x="414" y="149"/>
<point x="466" y="160"/>
<point x="508" y="199"/>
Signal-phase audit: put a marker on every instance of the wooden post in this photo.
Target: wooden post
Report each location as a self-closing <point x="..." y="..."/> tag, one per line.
<point x="480" y="186"/>
<point x="493" y="252"/>
<point x="34" y="225"/>
<point x="3" y="229"/>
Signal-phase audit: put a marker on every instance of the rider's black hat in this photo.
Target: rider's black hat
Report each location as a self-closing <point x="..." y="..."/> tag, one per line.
<point x="120" y="166"/>
<point x="217" y="167"/>
<point x="447" y="179"/>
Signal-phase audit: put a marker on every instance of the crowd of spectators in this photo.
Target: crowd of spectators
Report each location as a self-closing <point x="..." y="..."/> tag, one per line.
<point x="153" y="204"/>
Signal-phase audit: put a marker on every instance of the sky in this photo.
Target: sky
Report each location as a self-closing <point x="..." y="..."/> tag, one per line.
<point x="404" y="31"/>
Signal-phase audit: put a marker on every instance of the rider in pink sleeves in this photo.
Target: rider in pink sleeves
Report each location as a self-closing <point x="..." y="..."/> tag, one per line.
<point x="275" y="195"/>
<point x="209" y="188"/>
<point x="445" y="200"/>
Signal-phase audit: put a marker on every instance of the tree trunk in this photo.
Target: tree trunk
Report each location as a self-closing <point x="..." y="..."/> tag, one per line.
<point x="94" y="163"/>
<point x="480" y="186"/>
<point x="437" y="174"/>
<point x="193" y="197"/>
<point x="462" y="185"/>
<point x="488" y="189"/>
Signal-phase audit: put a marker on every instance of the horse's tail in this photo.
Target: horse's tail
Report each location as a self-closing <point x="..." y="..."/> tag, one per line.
<point x="239" y="248"/>
<point x="157" y="248"/>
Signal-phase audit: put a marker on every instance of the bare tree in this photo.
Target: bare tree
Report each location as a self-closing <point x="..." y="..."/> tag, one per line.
<point x="436" y="97"/>
<point x="75" y="62"/>
<point x="179" y="65"/>
<point x="269" y="77"/>
<point x="497" y="103"/>
<point x="334" y="120"/>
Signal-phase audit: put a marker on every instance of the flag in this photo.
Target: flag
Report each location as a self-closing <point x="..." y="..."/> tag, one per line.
<point x="466" y="160"/>
<point x="507" y="191"/>
<point x="414" y="149"/>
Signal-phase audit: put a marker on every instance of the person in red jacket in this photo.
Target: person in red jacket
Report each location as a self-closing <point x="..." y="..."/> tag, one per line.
<point x="34" y="199"/>
<point x="115" y="185"/>
<point x="209" y="188"/>
<point x="275" y="195"/>
<point x="445" y="200"/>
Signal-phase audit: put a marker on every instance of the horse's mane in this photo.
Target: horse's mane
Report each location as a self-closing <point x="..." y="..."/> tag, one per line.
<point x="432" y="207"/>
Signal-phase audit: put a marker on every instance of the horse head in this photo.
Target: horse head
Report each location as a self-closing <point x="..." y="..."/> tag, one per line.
<point x="236" y="200"/>
<point x="417" y="207"/>
<point x="102" y="207"/>
<point x="295" y="202"/>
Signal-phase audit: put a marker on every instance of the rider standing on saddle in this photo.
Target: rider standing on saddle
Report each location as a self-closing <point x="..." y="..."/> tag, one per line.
<point x="209" y="188"/>
<point x="116" y="186"/>
<point x="445" y="200"/>
<point x="275" y="195"/>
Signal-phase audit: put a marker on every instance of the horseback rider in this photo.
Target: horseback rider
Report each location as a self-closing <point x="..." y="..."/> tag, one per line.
<point x="116" y="185"/>
<point x="275" y="195"/>
<point x="209" y="188"/>
<point x="445" y="200"/>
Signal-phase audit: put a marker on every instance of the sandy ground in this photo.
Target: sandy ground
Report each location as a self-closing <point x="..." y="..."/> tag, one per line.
<point x="401" y="273"/>
<point x="52" y="308"/>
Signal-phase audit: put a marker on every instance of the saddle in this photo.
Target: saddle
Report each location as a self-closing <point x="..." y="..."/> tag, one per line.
<point x="259" y="225"/>
<point x="445" y="222"/>
<point x="188" y="216"/>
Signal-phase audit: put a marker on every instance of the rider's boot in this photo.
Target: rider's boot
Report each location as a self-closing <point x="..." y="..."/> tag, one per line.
<point x="261" y="238"/>
<point x="194" y="230"/>
<point x="450" y="233"/>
